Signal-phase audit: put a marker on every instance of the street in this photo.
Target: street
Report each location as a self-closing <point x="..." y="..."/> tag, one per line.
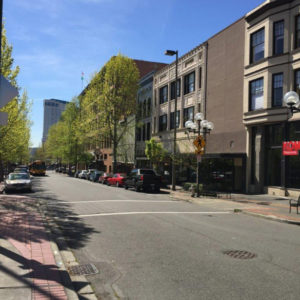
<point x="148" y="246"/>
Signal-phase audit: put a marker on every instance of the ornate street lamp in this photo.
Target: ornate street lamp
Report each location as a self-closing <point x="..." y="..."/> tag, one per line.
<point x="171" y="53"/>
<point x="204" y="127"/>
<point x="291" y="99"/>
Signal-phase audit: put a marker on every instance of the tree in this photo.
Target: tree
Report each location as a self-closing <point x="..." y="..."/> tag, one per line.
<point x="15" y="135"/>
<point x="155" y="153"/>
<point x="118" y="100"/>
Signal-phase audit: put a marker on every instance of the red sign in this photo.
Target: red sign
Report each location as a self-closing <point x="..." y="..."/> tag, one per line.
<point x="290" y="148"/>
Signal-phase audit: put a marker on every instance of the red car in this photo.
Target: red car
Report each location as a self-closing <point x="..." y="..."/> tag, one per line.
<point x="117" y="179"/>
<point x="103" y="179"/>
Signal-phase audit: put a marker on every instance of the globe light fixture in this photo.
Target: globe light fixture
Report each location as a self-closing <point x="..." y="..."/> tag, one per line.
<point x="291" y="99"/>
<point x="201" y="126"/>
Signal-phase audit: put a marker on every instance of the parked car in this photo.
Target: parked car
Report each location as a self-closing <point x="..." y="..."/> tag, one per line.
<point x="94" y="176"/>
<point x="77" y="173"/>
<point x="21" y="170"/>
<point x="117" y="179"/>
<point x="17" y="181"/>
<point x="143" y="179"/>
<point x="104" y="177"/>
<point x="89" y="172"/>
<point x="82" y="174"/>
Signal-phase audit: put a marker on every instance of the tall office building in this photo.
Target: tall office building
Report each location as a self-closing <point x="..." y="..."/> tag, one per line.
<point x="53" y="109"/>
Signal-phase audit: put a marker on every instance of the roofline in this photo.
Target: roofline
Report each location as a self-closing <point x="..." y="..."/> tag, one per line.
<point x="265" y="6"/>
<point x="204" y="44"/>
<point x="57" y="100"/>
<point x="213" y="36"/>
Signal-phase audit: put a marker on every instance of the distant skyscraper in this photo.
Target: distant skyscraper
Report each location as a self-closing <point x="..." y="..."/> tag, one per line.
<point x="53" y="109"/>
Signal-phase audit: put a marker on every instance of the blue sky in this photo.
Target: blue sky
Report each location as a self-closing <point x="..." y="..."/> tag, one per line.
<point x="55" y="40"/>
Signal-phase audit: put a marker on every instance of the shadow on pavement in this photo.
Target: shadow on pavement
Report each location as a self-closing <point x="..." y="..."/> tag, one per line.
<point x="37" y="271"/>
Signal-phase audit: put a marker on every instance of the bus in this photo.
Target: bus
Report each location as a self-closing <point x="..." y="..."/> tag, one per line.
<point x="38" y="167"/>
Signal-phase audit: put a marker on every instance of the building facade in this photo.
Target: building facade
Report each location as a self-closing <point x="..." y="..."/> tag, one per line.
<point x="210" y="80"/>
<point x="143" y="120"/>
<point x="271" y="68"/>
<point x="53" y="109"/>
<point x="226" y="145"/>
<point x="191" y="85"/>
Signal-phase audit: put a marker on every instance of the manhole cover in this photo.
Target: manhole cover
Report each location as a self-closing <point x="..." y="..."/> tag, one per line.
<point x="240" y="254"/>
<point x="88" y="269"/>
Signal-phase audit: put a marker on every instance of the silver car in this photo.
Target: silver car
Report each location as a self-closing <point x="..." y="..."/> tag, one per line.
<point x="17" y="182"/>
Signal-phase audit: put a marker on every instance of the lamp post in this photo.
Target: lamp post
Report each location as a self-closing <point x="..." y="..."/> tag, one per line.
<point x="291" y="99"/>
<point x="171" y="53"/>
<point x="201" y="127"/>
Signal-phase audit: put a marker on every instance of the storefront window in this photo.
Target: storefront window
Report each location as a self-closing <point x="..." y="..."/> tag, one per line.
<point x="274" y="138"/>
<point x="293" y="162"/>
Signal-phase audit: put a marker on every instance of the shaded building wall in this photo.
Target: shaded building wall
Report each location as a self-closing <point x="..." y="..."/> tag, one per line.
<point x="224" y="98"/>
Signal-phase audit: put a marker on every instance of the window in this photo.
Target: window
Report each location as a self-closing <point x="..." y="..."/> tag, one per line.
<point x="172" y="119"/>
<point x="278" y="36"/>
<point x="257" y="51"/>
<point x="256" y="94"/>
<point x="144" y="132"/>
<point x="148" y="136"/>
<point x="163" y="94"/>
<point x="200" y="78"/>
<point x="188" y="114"/>
<point x="105" y="156"/>
<point x="189" y="83"/>
<point x="173" y="89"/>
<point x="253" y="152"/>
<point x="144" y="108"/>
<point x="148" y="107"/>
<point x="297" y="32"/>
<point x="163" y="123"/>
<point x="154" y="122"/>
<point x="277" y="92"/>
<point x="138" y="134"/>
<point x="297" y="81"/>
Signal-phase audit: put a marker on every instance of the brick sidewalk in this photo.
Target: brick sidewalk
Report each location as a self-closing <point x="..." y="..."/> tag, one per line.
<point x="22" y="226"/>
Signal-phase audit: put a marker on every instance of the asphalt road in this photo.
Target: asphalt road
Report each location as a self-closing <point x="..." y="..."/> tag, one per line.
<point x="148" y="246"/>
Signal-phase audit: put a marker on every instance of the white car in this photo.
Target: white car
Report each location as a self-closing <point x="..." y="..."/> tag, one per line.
<point x="82" y="174"/>
<point x="17" y="181"/>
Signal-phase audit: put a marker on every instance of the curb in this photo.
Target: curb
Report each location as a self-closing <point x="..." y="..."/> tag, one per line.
<point x="66" y="259"/>
<point x="238" y="210"/>
<point x="271" y="217"/>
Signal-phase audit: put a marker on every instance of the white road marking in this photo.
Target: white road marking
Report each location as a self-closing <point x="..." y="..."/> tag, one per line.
<point x="103" y="201"/>
<point x="155" y="212"/>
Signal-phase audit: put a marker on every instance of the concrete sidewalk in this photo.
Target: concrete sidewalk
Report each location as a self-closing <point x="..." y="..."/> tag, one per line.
<point x="31" y="266"/>
<point x="271" y="207"/>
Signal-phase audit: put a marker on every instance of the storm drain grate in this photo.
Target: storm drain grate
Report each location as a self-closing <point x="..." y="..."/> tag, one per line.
<point x="263" y="203"/>
<point x="240" y="254"/>
<point x="88" y="269"/>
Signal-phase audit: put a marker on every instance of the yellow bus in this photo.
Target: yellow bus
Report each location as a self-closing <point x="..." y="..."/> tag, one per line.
<point x="38" y="167"/>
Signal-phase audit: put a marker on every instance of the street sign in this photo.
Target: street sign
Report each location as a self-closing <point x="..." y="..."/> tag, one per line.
<point x="290" y="148"/>
<point x="199" y="151"/>
<point x="7" y="91"/>
<point x="199" y="142"/>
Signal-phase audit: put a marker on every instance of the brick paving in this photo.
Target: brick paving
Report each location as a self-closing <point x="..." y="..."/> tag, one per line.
<point x="22" y="225"/>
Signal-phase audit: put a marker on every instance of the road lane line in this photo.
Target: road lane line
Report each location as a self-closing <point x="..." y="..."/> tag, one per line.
<point x="100" y="201"/>
<point x="156" y="212"/>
